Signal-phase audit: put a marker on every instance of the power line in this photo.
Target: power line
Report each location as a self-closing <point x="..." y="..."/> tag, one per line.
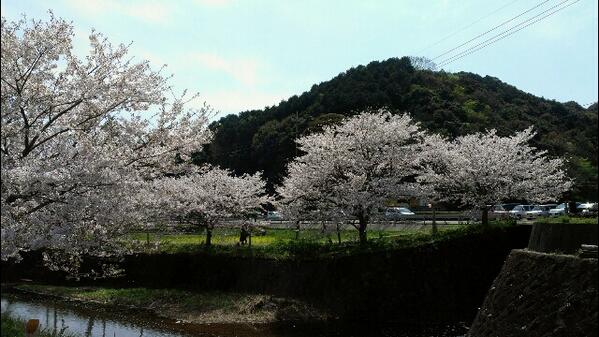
<point x="465" y="27"/>
<point x="495" y="37"/>
<point x="492" y="29"/>
<point x="504" y="34"/>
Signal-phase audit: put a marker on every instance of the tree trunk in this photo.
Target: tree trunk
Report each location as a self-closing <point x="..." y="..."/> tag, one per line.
<point x="485" y="217"/>
<point x="435" y="230"/>
<point x="363" y="222"/>
<point x="208" y="236"/>
<point x="297" y="229"/>
<point x="572" y="208"/>
<point x="338" y="234"/>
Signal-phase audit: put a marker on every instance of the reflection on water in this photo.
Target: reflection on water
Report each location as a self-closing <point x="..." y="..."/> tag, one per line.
<point x="55" y="318"/>
<point x="88" y="321"/>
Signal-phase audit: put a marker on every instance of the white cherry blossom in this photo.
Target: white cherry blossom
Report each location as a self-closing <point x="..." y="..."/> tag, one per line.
<point x="205" y="197"/>
<point x="484" y="169"/>
<point x="349" y="170"/>
<point x="80" y="136"/>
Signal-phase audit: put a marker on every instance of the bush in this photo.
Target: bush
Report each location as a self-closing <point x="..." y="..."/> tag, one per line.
<point x="569" y="219"/>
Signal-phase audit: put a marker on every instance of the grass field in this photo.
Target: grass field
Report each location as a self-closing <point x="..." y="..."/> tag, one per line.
<point x="230" y="236"/>
<point x="282" y="243"/>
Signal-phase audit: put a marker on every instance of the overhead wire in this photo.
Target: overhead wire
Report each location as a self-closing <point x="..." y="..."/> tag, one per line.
<point x="466" y="27"/>
<point x="505" y="33"/>
<point x="492" y="29"/>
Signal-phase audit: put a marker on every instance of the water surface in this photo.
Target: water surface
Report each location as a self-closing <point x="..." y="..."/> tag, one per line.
<point x="100" y="321"/>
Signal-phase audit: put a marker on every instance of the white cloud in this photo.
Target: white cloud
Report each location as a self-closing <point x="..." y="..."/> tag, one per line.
<point x="150" y="11"/>
<point x="243" y="70"/>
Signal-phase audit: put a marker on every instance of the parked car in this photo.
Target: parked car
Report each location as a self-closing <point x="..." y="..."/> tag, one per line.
<point x="501" y="211"/>
<point x="539" y="211"/>
<point x="588" y="208"/>
<point x="519" y="211"/>
<point x="397" y="213"/>
<point x="560" y="209"/>
<point x="274" y="216"/>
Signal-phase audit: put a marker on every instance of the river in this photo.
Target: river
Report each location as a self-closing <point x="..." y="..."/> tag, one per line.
<point x="99" y="321"/>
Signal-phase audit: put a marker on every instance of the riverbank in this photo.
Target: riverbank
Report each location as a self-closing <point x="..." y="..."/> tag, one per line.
<point x="79" y="319"/>
<point x="435" y="281"/>
<point x="190" y="307"/>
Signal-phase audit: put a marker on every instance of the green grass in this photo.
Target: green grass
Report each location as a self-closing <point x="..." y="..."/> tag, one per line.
<point x="205" y="307"/>
<point x="503" y="222"/>
<point x="230" y="236"/>
<point x="12" y="327"/>
<point x="281" y="243"/>
<point x="141" y="297"/>
<point x="568" y="219"/>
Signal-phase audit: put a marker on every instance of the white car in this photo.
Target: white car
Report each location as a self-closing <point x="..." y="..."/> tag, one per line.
<point x="587" y="207"/>
<point x="501" y="211"/>
<point x="519" y="211"/>
<point x="560" y="209"/>
<point x="274" y="216"/>
<point x="539" y="210"/>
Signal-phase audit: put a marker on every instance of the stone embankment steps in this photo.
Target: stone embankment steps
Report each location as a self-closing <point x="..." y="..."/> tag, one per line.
<point x="540" y="295"/>
<point x="541" y="292"/>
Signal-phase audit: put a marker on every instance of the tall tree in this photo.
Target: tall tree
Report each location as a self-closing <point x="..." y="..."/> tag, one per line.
<point x="79" y="137"/>
<point x="483" y="169"/>
<point x="205" y="197"/>
<point x="352" y="168"/>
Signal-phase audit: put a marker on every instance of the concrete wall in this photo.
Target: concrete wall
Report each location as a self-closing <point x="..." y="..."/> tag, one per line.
<point x="540" y="295"/>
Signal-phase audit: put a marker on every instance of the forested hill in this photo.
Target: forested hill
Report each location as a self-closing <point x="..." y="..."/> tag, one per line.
<point x="450" y="103"/>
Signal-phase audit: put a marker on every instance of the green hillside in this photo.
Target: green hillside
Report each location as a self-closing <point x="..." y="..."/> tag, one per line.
<point x="449" y="103"/>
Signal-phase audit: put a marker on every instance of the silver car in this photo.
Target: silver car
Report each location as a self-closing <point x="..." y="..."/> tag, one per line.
<point x="539" y="211"/>
<point x="397" y="213"/>
<point x="501" y="211"/>
<point x="560" y="209"/>
<point x="274" y="216"/>
<point x="519" y="211"/>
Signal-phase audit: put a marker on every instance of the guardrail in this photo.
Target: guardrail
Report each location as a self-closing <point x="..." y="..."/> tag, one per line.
<point x="422" y="218"/>
<point x="376" y="223"/>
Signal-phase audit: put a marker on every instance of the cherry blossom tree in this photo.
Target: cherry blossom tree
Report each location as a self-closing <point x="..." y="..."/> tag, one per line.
<point x="349" y="170"/>
<point x="80" y="136"/>
<point x="205" y="197"/>
<point x="313" y="210"/>
<point x="483" y="169"/>
<point x="422" y="63"/>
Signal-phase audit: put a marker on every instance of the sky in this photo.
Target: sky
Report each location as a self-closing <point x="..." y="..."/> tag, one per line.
<point x="248" y="54"/>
